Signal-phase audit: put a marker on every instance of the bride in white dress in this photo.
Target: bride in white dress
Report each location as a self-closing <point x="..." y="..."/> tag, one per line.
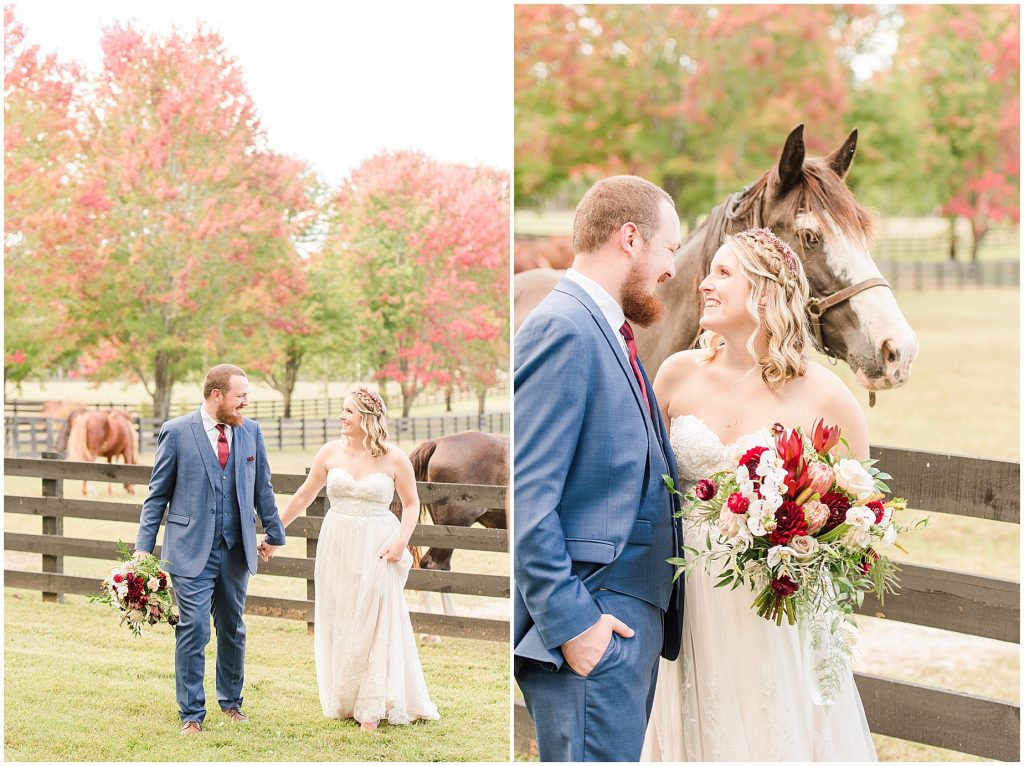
<point x="741" y="689"/>
<point x="367" y="667"/>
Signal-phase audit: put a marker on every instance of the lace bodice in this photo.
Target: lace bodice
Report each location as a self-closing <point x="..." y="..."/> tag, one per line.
<point x="699" y="452"/>
<point x="370" y="495"/>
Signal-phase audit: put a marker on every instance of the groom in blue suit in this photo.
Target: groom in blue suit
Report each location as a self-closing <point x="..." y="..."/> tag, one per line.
<point x="595" y="604"/>
<point x="211" y="476"/>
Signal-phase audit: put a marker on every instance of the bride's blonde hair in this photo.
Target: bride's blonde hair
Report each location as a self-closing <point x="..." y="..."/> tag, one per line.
<point x="777" y="301"/>
<point x="374" y="420"/>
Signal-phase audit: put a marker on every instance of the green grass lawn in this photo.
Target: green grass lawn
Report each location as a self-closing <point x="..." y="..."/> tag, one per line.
<point x="468" y="680"/>
<point x="78" y="688"/>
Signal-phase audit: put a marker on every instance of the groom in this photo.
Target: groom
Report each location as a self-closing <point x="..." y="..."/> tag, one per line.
<point x="211" y="476"/>
<point x="593" y="518"/>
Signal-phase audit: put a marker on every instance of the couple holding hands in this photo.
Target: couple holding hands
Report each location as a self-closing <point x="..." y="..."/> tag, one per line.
<point x="211" y="477"/>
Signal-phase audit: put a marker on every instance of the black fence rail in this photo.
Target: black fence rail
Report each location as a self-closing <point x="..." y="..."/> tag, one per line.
<point x="324" y="407"/>
<point x="939" y="598"/>
<point x="948" y="275"/>
<point x="53" y="546"/>
<point x="911" y="248"/>
<point x="31" y="436"/>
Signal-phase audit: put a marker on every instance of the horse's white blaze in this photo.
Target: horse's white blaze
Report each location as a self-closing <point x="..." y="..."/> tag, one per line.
<point x="879" y="316"/>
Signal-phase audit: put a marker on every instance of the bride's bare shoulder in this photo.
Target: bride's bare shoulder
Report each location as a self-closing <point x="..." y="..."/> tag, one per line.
<point x="680" y="364"/>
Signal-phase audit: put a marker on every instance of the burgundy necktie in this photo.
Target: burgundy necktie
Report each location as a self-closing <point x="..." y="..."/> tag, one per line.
<point x="627" y="333"/>
<point x="222" y="446"/>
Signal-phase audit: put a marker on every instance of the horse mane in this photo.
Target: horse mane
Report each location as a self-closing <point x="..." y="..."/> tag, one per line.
<point x="819" y="191"/>
<point x="78" y="436"/>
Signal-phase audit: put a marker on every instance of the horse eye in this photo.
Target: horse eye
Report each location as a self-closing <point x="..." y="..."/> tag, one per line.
<point x="808" y="238"/>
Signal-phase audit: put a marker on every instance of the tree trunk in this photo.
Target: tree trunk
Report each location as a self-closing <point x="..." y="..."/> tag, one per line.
<point x="978" y="231"/>
<point x="448" y="398"/>
<point x="163" y="383"/>
<point x="952" y="238"/>
<point x="292" y="362"/>
<point x="408" y="394"/>
<point x="481" y="398"/>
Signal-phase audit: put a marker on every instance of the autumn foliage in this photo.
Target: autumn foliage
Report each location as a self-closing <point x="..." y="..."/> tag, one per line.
<point x="151" y="231"/>
<point x="429" y="243"/>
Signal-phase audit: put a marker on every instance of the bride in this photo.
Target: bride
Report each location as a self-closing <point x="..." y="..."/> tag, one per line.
<point x="367" y="667"/>
<point x="741" y="689"/>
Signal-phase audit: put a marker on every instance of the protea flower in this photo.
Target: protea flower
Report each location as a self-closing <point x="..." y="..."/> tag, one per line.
<point x="790" y="449"/>
<point x="825" y="437"/>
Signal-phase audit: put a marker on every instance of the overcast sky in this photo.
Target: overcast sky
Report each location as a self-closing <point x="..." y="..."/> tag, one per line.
<point x="335" y="83"/>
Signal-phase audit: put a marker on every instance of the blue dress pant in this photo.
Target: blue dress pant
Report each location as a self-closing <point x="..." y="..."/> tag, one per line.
<point x="603" y="716"/>
<point x="218" y="590"/>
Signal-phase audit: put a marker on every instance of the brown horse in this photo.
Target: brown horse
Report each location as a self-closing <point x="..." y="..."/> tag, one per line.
<point x="103" y="433"/>
<point x="542" y="253"/>
<point x="805" y="200"/>
<point x="468" y="457"/>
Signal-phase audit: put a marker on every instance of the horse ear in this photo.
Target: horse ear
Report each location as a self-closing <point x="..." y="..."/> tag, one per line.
<point x="841" y="159"/>
<point x="791" y="163"/>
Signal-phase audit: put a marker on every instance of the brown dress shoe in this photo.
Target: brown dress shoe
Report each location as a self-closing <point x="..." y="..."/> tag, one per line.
<point x="236" y="715"/>
<point x="188" y="728"/>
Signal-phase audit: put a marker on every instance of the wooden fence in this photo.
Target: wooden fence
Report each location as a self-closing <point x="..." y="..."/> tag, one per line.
<point x="31" y="436"/>
<point x="308" y="409"/>
<point x="939" y="598"/>
<point x="943" y="275"/>
<point x="53" y="507"/>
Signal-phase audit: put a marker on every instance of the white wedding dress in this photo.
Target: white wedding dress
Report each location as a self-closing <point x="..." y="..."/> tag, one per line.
<point x="739" y="690"/>
<point x="367" y="667"/>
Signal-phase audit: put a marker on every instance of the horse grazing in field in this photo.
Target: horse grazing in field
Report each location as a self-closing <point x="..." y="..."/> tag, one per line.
<point x="468" y="457"/>
<point x="805" y="200"/>
<point x="102" y="433"/>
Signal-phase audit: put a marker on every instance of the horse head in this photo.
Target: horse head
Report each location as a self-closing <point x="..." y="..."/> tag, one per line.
<point x="61" y="445"/>
<point x="851" y="311"/>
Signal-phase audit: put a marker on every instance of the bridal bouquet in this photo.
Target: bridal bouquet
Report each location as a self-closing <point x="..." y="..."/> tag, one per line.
<point x="138" y="590"/>
<point x="803" y="528"/>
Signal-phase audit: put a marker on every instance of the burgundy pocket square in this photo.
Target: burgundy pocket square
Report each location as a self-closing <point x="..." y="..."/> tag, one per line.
<point x="250" y="458"/>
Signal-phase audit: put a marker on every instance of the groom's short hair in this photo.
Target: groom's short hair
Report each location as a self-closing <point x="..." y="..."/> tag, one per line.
<point x="219" y="377"/>
<point x="612" y="202"/>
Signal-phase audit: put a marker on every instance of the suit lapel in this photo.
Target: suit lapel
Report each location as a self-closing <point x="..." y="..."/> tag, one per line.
<point x="205" y="450"/>
<point x="572" y="288"/>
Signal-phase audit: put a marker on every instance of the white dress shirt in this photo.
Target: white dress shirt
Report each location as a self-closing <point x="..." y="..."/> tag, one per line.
<point x="211" y="429"/>
<point x="609" y="306"/>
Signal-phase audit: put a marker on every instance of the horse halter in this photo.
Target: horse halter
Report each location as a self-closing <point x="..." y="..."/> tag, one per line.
<point x="816" y="308"/>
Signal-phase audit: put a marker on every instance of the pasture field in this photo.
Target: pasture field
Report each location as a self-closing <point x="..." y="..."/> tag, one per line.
<point x="77" y="688"/>
<point x="190" y="394"/>
<point x="935" y="231"/>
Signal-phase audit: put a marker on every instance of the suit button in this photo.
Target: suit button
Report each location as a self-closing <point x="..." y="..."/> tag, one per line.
<point x="212" y="510"/>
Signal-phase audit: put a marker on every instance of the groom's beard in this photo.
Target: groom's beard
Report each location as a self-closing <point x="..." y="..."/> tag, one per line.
<point x="640" y="307"/>
<point x="229" y="416"/>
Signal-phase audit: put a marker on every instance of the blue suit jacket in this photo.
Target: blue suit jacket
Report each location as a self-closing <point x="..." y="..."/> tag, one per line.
<point x="182" y="484"/>
<point x="583" y="447"/>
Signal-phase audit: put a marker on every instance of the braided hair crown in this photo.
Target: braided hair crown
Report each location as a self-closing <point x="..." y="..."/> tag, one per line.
<point x="370" y="400"/>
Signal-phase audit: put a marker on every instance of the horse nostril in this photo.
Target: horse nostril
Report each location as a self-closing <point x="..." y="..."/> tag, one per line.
<point x="890" y="353"/>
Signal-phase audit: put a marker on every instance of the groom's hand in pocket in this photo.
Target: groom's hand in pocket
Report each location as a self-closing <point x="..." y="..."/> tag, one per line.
<point x="586" y="650"/>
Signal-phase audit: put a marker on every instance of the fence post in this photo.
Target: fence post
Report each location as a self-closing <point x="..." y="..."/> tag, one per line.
<point x="318" y="508"/>
<point x="53" y="525"/>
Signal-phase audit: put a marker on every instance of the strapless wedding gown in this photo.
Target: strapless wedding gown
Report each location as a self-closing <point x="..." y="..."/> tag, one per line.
<point x="367" y="667"/>
<point x="739" y="690"/>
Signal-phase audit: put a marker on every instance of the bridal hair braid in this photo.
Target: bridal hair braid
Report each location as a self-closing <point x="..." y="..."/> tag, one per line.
<point x="374" y="414"/>
<point x="778" y="283"/>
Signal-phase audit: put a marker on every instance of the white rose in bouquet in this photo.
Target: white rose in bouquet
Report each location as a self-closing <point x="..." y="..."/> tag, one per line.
<point x="803" y="546"/>
<point x="851" y="476"/>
